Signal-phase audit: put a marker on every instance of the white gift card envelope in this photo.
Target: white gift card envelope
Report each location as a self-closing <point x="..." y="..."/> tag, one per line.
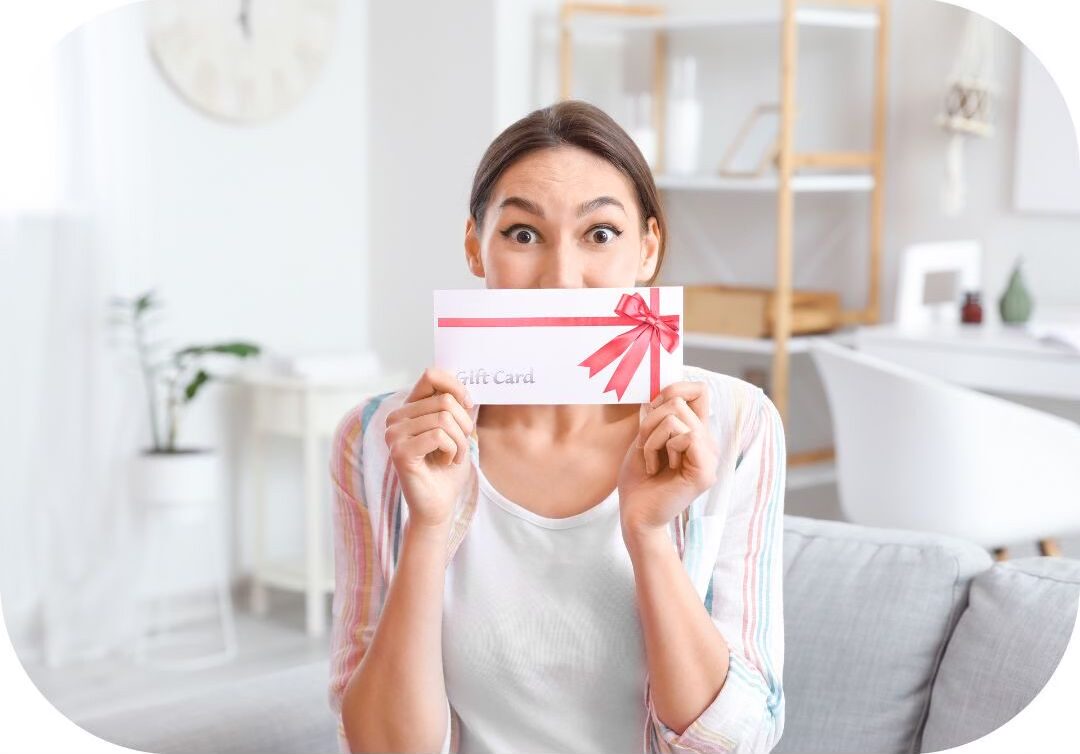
<point x="561" y="345"/>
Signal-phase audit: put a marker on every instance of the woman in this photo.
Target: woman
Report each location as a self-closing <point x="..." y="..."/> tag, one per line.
<point x="609" y="579"/>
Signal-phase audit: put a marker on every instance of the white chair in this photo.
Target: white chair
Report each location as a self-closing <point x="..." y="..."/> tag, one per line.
<point x="915" y="452"/>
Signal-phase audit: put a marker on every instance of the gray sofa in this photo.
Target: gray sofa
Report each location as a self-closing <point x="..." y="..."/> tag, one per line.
<point x="896" y="641"/>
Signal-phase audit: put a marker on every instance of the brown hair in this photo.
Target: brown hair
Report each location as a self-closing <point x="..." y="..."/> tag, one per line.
<point x="575" y="123"/>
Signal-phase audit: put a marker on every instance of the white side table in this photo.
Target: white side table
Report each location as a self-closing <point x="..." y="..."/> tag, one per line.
<point x="308" y="410"/>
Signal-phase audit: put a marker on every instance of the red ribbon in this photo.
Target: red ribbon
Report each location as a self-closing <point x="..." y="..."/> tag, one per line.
<point x="652" y="331"/>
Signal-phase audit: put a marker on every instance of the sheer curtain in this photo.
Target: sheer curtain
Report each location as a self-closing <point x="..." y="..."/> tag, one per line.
<point x="72" y="401"/>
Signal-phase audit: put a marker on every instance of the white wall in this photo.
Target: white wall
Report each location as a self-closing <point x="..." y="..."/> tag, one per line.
<point x="1050" y="244"/>
<point x="255" y="232"/>
<point x="432" y="109"/>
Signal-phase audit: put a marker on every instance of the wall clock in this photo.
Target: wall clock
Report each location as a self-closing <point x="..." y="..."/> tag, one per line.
<point x="241" y="60"/>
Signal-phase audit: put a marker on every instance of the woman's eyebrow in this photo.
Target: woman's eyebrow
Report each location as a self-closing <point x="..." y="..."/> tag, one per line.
<point x="587" y="207"/>
<point x="600" y="201"/>
<point x="525" y="204"/>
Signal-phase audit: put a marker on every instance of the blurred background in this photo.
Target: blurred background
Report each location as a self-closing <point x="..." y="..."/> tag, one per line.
<point x="243" y="246"/>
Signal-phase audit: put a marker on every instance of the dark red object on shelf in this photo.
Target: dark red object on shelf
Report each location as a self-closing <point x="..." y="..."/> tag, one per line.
<point x="972" y="312"/>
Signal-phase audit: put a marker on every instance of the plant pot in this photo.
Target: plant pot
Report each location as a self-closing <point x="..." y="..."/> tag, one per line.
<point x="179" y="497"/>
<point x="177" y="500"/>
<point x="183" y="483"/>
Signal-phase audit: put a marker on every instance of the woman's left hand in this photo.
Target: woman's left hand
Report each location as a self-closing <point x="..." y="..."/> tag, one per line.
<point x="672" y="460"/>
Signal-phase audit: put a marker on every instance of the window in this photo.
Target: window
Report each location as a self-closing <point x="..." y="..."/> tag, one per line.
<point x="30" y="140"/>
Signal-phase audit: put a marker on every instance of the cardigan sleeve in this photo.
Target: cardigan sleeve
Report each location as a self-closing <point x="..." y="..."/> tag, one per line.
<point x="745" y="601"/>
<point x="359" y="584"/>
<point x="359" y="590"/>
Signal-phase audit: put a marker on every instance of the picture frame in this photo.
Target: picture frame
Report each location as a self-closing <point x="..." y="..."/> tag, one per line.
<point x="933" y="278"/>
<point x="756" y="144"/>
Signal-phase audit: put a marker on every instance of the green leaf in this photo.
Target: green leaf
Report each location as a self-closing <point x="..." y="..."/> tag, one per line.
<point x="239" y="349"/>
<point x="144" y="302"/>
<point x="200" y="379"/>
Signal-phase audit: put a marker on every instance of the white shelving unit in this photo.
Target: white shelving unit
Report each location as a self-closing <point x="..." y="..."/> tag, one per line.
<point x="811" y="475"/>
<point x="735" y="343"/>
<point x="835" y="18"/>
<point x="796" y="172"/>
<point x="812" y="183"/>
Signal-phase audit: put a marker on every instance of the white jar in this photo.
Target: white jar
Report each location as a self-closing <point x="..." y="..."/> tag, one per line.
<point x="684" y="120"/>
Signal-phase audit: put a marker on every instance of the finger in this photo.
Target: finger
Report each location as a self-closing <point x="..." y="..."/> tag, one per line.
<point x="696" y="453"/>
<point x="698" y="456"/>
<point x="677" y="448"/>
<point x="440" y="419"/>
<point x="431" y="405"/>
<point x="657" y="441"/>
<point x="695" y="393"/>
<point x="428" y="442"/>
<point x="703" y="440"/>
<point x="677" y="406"/>
<point x="434" y="381"/>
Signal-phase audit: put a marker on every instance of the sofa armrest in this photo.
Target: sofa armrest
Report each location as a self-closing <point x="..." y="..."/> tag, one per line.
<point x="282" y="712"/>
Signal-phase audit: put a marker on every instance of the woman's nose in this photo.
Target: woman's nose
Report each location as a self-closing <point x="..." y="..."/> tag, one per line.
<point x="564" y="267"/>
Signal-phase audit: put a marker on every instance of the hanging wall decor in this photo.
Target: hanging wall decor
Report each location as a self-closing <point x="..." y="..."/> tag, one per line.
<point x="968" y="101"/>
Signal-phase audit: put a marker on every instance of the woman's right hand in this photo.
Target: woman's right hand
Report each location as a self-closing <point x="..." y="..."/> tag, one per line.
<point x="428" y="438"/>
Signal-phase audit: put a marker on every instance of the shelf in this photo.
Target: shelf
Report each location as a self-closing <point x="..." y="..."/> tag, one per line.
<point x="809" y="17"/>
<point x="818" y="182"/>
<point x="291" y="575"/>
<point x="811" y="475"/>
<point x="742" y="344"/>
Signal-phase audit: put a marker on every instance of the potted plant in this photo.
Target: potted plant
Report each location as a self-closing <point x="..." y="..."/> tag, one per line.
<point x="168" y="475"/>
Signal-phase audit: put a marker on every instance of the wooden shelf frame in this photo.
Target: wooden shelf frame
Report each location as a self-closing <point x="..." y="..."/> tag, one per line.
<point x="811" y="183"/>
<point x="587" y="15"/>
<point x="872" y="15"/>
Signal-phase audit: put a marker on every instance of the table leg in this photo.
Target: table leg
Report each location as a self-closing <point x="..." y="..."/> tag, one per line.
<point x="258" y="597"/>
<point x="316" y="619"/>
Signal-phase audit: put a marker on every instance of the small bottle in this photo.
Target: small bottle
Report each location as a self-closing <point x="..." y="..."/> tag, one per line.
<point x="971" y="313"/>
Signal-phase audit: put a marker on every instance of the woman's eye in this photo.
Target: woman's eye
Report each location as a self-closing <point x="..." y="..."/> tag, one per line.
<point x="520" y="234"/>
<point x="604" y="234"/>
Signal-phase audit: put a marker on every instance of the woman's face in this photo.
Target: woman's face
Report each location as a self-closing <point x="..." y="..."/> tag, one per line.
<point x="562" y="218"/>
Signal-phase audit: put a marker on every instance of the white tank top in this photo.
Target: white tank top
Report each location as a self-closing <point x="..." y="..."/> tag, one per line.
<point x="542" y="643"/>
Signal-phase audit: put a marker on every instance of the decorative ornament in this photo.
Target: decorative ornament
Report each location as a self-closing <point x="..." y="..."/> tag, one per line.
<point x="1016" y="303"/>
<point x="968" y="100"/>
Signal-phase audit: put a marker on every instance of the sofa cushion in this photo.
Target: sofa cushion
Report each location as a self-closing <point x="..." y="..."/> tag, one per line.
<point x="284" y="712"/>
<point x="867" y="613"/>
<point x="1007" y="644"/>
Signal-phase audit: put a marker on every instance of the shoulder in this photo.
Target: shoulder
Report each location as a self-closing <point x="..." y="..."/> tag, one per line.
<point x="730" y="398"/>
<point x="738" y="409"/>
<point x="368" y="414"/>
<point x="361" y="431"/>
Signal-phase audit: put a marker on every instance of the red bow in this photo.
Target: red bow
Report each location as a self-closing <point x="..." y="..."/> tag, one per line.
<point x="653" y="331"/>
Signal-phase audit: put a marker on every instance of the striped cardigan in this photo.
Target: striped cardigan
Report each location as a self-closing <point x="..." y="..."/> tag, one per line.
<point x="729" y="540"/>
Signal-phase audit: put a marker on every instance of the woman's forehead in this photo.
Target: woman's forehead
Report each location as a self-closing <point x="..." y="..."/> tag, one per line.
<point x="563" y="175"/>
